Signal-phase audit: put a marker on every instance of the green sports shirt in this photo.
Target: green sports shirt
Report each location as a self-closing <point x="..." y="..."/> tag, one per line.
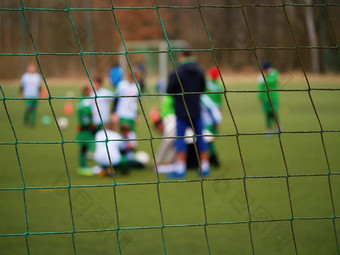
<point x="84" y="113"/>
<point x="167" y="107"/>
<point x="272" y="78"/>
<point x="215" y="86"/>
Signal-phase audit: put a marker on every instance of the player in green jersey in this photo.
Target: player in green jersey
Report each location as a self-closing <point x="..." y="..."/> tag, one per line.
<point x="214" y="85"/>
<point x="271" y="76"/>
<point x="85" y="131"/>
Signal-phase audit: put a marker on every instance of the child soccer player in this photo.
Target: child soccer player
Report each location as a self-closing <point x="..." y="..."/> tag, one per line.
<point x="165" y="123"/>
<point x="85" y="131"/>
<point x="212" y="118"/>
<point x="272" y="78"/>
<point x="126" y="106"/>
<point x="30" y="89"/>
<point x="213" y="84"/>
<point x="104" y="102"/>
<point x="107" y="154"/>
<point x="116" y="74"/>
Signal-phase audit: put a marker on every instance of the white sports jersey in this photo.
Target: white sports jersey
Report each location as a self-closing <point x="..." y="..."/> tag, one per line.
<point x="210" y="113"/>
<point x="104" y="106"/>
<point x="100" y="154"/>
<point x="127" y="106"/>
<point x="30" y="83"/>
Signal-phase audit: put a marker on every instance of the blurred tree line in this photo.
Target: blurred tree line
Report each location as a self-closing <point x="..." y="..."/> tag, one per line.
<point x="233" y="32"/>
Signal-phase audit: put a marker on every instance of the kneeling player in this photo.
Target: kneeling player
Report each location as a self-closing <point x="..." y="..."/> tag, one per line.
<point x="107" y="153"/>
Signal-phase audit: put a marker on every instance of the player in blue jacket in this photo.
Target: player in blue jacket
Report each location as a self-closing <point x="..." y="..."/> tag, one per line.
<point x="192" y="80"/>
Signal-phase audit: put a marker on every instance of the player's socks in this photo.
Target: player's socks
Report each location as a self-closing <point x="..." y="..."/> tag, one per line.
<point x="82" y="160"/>
<point x="180" y="167"/>
<point x="205" y="168"/>
<point x="33" y="118"/>
<point x="26" y="118"/>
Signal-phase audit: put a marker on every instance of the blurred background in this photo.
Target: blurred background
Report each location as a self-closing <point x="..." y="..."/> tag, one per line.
<point x="233" y="31"/>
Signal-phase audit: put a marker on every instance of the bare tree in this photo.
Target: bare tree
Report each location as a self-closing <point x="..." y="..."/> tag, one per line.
<point x="312" y="37"/>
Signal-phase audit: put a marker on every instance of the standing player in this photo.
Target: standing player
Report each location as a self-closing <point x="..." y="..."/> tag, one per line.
<point x="165" y="123"/>
<point x="272" y="78"/>
<point x="192" y="80"/>
<point x="126" y="105"/>
<point x="30" y="90"/>
<point x="85" y="131"/>
<point x="104" y="101"/>
<point x="214" y="85"/>
<point x="116" y="74"/>
<point x="212" y="118"/>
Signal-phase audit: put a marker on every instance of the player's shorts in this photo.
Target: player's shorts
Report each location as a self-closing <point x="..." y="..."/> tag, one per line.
<point x="128" y="122"/>
<point x="31" y="104"/>
<point x="87" y="138"/>
<point x="181" y="126"/>
<point x="267" y="108"/>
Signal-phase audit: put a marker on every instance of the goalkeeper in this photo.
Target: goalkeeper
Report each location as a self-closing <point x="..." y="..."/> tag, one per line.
<point x="85" y="131"/>
<point x="30" y="90"/>
<point x="271" y="76"/>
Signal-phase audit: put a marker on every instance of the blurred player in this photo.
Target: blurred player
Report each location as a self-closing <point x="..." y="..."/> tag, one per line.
<point x="85" y="131"/>
<point x="30" y="89"/>
<point x="192" y="79"/>
<point x="214" y="85"/>
<point x="272" y="78"/>
<point x="165" y="123"/>
<point x="126" y="105"/>
<point x="142" y="73"/>
<point x="108" y="153"/>
<point x="212" y="118"/>
<point x="104" y="102"/>
<point x="116" y="74"/>
<point x="129" y="146"/>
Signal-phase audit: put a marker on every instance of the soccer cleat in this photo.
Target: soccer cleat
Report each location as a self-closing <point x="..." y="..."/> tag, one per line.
<point x="204" y="173"/>
<point x="269" y="134"/>
<point x="176" y="175"/>
<point x="205" y="168"/>
<point x="85" y="171"/>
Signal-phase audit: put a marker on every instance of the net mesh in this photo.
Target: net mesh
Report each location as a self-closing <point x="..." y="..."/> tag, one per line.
<point x="198" y="7"/>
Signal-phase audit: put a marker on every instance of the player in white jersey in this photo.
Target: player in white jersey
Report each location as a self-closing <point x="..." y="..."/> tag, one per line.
<point x="107" y="154"/>
<point x="104" y="102"/>
<point x="30" y="90"/>
<point x="127" y="102"/>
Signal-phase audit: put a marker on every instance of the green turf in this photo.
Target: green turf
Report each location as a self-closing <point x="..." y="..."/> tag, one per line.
<point x="183" y="214"/>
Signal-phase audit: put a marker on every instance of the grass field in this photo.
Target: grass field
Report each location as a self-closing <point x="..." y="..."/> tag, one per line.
<point x="140" y="205"/>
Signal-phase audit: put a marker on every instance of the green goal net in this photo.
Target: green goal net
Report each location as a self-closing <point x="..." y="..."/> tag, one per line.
<point x="272" y="192"/>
